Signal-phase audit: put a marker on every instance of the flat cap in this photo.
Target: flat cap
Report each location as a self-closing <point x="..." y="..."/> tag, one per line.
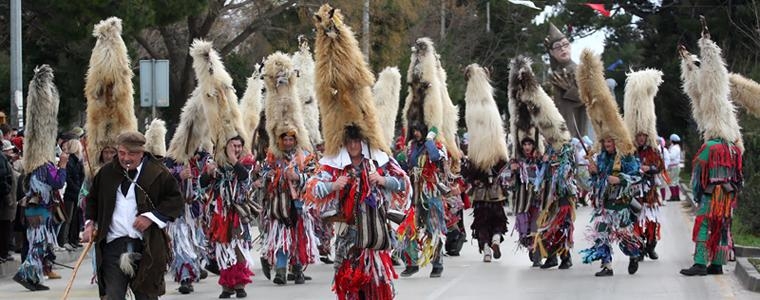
<point x="132" y="140"/>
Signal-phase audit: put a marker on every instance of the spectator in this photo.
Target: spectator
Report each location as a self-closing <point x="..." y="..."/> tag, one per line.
<point x="68" y="236"/>
<point x="7" y="200"/>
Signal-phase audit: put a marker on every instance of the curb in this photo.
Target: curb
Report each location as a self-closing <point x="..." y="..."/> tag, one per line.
<point x="746" y="251"/>
<point x="747" y="274"/>
<point x="10" y="268"/>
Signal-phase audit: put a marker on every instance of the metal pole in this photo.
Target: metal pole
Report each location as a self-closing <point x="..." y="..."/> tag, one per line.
<point x="488" y="16"/>
<point x="153" y="86"/>
<point x="17" y="92"/>
<point x="365" y="30"/>
<point x="443" y="19"/>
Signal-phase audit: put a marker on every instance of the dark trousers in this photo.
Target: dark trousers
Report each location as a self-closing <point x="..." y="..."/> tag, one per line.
<point x="114" y="280"/>
<point x="64" y="237"/>
<point x="5" y="238"/>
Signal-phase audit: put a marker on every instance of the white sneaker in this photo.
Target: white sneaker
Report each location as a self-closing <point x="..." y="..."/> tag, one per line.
<point x="486" y="254"/>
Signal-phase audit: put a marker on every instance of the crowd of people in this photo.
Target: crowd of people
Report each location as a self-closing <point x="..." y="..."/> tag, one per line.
<point x="238" y="176"/>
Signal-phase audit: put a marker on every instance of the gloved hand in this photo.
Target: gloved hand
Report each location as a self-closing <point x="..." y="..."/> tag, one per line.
<point x="432" y="133"/>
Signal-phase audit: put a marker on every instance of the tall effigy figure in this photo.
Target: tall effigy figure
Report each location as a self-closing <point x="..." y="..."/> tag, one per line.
<point x="566" y="95"/>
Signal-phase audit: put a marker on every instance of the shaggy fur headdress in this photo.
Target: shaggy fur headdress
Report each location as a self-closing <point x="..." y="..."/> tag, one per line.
<point x="485" y="130"/>
<point x="745" y="92"/>
<point x="544" y="115"/>
<point x="108" y="89"/>
<point x="155" y="138"/>
<point x="283" y="108"/>
<point x="42" y="122"/>
<point x="343" y="84"/>
<point x="427" y="103"/>
<point x="250" y="104"/>
<point x="707" y="85"/>
<point x="304" y="64"/>
<point x="638" y="106"/>
<point x="218" y="97"/>
<point x="192" y="130"/>
<point x="601" y="106"/>
<point x="387" y="91"/>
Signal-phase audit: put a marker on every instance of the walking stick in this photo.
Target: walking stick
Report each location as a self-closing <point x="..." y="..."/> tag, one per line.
<point x="76" y="267"/>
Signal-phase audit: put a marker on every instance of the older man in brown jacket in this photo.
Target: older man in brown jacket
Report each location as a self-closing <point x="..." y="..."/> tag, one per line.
<point x="129" y="204"/>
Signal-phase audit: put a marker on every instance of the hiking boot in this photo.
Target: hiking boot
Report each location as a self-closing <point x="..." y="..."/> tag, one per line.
<point x="298" y="274"/>
<point x="40" y="287"/>
<point x="550" y="262"/>
<point x="409" y="271"/>
<point x="633" y="265"/>
<point x="185" y="287"/>
<point x="204" y="274"/>
<point x="535" y="257"/>
<point x="279" y="276"/>
<point x="437" y="271"/>
<point x="651" y="253"/>
<point x="28" y="285"/>
<point x="496" y="250"/>
<point x="696" y="269"/>
<point x="566" y="263"/>
<point x="605" y="272"/>
<point x="225" y="295"/>
<point x="52" y="275"/>
<point x="240" y="293"/>
<point x="715" y="270"/>
<point x="266" y="268"/>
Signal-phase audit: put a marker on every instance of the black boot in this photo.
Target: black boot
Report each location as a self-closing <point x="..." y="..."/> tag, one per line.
<point x="566" y="263"/>
<point x="326" y="260"/>
<point x="185" y="287"/>
<point x="225" y="294"/>
<point x="550" y="262"/>
<point x="280" y="276"/>
<point x="298" y="274"/>
<point x="409" y="271"/>
<point x="212" y="267"/>
<point x="696" y="269"/>
<point x="535" y="257"/>
<point x="715" y="270"/>
<point x="633" y="265"/>
<point x="605" y="272"/>
<point x="204" y="274"/>
<point x="240" y="293"/>
<point x="650" y="251"/>
<point x="266" y="268"/>
<point x="437" y="271"/>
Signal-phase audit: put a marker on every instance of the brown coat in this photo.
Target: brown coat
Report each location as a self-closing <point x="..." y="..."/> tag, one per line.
<point x="163" y="191"/>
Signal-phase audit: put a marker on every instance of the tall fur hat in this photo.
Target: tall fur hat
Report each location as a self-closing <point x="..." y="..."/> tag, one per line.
<point x="108" y="89"/>
<point x="283" y="108"/>
<point x="544" y="115"/>
<point x="304" y="63"/>
<point x="192" y="130"/>
<point x="155" y="138"/>
<point x="217" y="94"/>
<point x="250" y="104"/>
<point x="745" y="92"/>
<point x="42" y="122"/>
<point x="601" y="106"/>
<point x="428" y="104"/>
<point x="640" y="89"/>
<point x="387" y="91"/>
<point x="343" y="84"/>
<point x="485" y="130"/>
<point x="707" y="85"/>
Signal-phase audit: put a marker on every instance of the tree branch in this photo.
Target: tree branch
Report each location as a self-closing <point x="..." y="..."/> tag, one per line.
<point x="232" y="6"/>
<point x="260" y="20"/>
<point x="146" y="45"/>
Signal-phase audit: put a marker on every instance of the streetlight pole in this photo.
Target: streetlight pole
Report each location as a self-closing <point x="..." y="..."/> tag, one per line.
<point x="17" y="92"/>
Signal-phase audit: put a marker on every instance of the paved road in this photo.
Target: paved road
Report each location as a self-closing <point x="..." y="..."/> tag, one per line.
<point x="467" y="277"/>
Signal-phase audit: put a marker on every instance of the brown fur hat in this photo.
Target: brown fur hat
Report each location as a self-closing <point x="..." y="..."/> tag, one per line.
<point x="343" y="84"/>
<point x="283" y="108"/>
<point x="639" y="115"/>
<point x="108" y="89"/>
<point x="42" y="122"/>
<point x="218" y="97"/>
<point x="601" y="106"/>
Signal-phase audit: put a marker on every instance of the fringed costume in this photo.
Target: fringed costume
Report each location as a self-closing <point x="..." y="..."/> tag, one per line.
<point x="717" y="176"/>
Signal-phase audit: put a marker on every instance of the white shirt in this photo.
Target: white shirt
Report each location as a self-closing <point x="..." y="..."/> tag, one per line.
<point x="125" y="214"/>
<point x="675" y="156"/>
<point x="665" y="156"/>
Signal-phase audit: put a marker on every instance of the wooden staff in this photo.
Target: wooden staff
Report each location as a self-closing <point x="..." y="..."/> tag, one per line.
<point x="76" y="266"/>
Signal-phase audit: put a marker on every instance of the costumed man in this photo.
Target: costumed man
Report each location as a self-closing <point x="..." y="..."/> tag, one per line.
<point x="554" y="233"/>
<point x="186" y="160"/>
<point x="290" y="239"/>
<point x="427" y="160"/>
<point x="487" y="170"/>
<point x="563" y="80"/>
<point x="640" y="89"/>
<point x="130" y="203"/>
<point x="674" y="167"/>
<point x="226" y="178"/>
<point x="357" y="182"/>
<point x="717" y="176"/>
<point x="42" y="180"/>
<point x="614" y="174"/>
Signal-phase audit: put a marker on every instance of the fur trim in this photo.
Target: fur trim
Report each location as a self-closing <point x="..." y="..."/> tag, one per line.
<point x="601" y="106"/>
<point x="387" y="91"/>
<point x="485" y="129"/>
<point x="544" y="114"/>
<point x="128" y="263"/>
<point x="304" y="63"/>
<point x="42" y="122"/>
<point x="218" y="97"/>
<point x="283" y="108"/>
<point x="250" y="104"/>
<point x="745" y="92"/>
<point x="640" y="89"/>
<point x="155" y="138"/>
<point x="192" y="130"/>
<point x="343" y="83"/>
<point x="109" y="91"/>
